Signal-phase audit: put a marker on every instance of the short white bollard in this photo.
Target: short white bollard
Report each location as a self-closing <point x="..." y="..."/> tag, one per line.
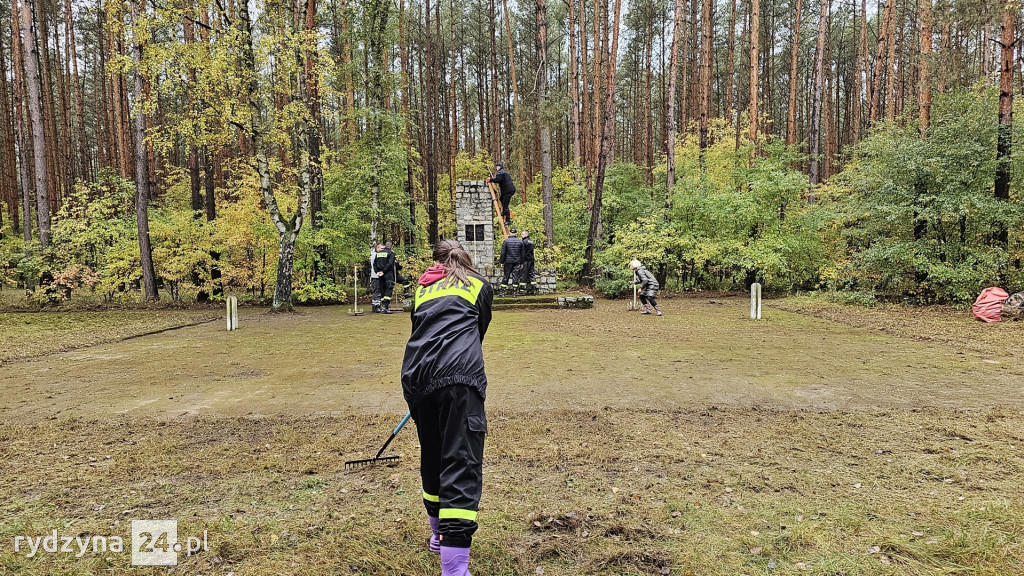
<point x="232" y="313"/>
<point x="755" y="301"/>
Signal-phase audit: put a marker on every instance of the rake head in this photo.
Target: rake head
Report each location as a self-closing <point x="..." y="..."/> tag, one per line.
<point x="353" y="464"/>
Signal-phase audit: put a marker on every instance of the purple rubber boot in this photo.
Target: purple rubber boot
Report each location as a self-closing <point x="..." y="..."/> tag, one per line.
<point x="454" y="561"/>
<point x="435" y="542"/>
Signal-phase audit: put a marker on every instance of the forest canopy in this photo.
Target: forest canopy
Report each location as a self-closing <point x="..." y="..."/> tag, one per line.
<point x="188" y="149"/>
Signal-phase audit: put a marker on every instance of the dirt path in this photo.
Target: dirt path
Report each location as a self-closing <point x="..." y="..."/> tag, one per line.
<point x="701" y="353"/>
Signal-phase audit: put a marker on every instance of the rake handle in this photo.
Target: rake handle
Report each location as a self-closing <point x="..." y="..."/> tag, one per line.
<point x="393" y="434"/>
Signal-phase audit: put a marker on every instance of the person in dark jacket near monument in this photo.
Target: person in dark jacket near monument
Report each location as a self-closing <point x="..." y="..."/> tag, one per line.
<point x="648" y="286"/>
<point x="507" y="190"/>
<point x="528" y="282"/>
<point x="444" y="383"/>
<point x="512" y="263"/>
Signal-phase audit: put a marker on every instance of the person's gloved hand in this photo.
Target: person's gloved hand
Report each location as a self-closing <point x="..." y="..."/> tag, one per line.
<point x="488" y="179"/>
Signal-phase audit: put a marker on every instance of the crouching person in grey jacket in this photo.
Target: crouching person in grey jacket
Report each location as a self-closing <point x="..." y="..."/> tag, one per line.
<point x="648" y="286"/>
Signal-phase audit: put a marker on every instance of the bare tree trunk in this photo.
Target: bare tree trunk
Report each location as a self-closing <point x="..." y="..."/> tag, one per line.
<point x="890" y="78"/>
<point x="791" y="111"/>
<point x="17" y="64"/>
<point x="79" y="98"/>
<point x="859" y="78"/>
<point x="730" y="102"/>
<point x="545" y="127"/>
<point x="876" y="84"/>
<point x="924" y="80"/>
<point x="141" y="170"/>
<point x="706" y="61"/>
<point x="517" y="139"/>
<point x="816" y="105"/>
<point x="1005" y="138"/>
<point x="574" y="86"/>
<point x="755" y="34"/>
<point x="586" y="125"/>
<point x="35" y="112"/>
<point x="670" y="121"/>
<point x="594" y="233"/>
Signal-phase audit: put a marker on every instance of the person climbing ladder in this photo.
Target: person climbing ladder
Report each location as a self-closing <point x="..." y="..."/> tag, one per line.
<point x="507" y="188"/>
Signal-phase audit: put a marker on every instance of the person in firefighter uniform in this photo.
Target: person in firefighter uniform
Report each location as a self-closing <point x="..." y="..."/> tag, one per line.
<point x="444" y="383"/>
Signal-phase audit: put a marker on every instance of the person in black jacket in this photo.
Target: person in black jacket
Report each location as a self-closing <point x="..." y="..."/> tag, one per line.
<point x="507" y="190"/>
<point x="444" y="383"/>
<point x="384" y="266"/>
<point x="512" y="262"/>
<point x="528" y="282"/>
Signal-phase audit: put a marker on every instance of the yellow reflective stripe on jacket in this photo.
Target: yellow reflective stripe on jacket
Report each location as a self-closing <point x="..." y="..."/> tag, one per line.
<point x="430" y="497"/>
<point x="457" y="514"/>
<point x="470" y="293"/>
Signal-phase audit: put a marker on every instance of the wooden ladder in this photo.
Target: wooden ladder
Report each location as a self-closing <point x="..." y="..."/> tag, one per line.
<point x="497" y="207"/>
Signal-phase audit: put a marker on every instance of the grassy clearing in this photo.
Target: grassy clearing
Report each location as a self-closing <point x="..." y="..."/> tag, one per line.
<point x="569" y="492"/>
<point x="826" y="440"/>
<point x="25" y="335"/>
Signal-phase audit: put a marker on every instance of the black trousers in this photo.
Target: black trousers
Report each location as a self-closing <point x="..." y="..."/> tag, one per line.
<point x="505" y="199"/>
<point x="529" y="276"/>
<point x="649" y="300"/>
<point x="513" y="272"/>
<point x="451" y="424"/>
<point x="387" y="284"/>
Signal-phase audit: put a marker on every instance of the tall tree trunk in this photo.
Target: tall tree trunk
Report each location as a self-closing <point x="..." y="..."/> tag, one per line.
<point x="924" y="81"/>
<point x="312" y="99"/>
<point x="816" y="104"/>
<point x="791" y="111"/>
<point x="574" y="81"/>
<point x="517" y="137"/>
<point x="18" y="66"/>
<point x="860" y="79"/>
<point x="35" y="112"/>
<point x="9" y="190"/>
<point x="545" y="127"/>
<point x="890" y="68"/>
<point x="79" y="98"/>
<point x="755" y="36"/>
<point x="730" y="102"/>
<point x="585" y="128"/>
<point x="670" y="121"/>
<point x="594" y="233"/>
<point x="1005" y="138"/>
<point x="706" y="62"/>
<point x="141" y="170"/>
<point x="876" y="83"/>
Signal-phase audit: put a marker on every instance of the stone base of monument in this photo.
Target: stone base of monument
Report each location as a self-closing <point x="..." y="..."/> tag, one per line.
<point x="566" y="300"/>
<point x="545" y="277"/>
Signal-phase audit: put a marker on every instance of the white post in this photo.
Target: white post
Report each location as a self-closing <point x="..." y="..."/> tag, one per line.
<point x="355" y="289"/>
<point x="755" y="301"/>
<point x="232" y="313"/>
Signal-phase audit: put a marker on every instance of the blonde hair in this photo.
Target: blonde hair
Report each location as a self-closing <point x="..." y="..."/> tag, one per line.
<point x="634" y="264"/>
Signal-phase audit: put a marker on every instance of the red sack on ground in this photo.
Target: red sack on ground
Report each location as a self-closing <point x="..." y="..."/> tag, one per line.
<point x="988" y="306"/>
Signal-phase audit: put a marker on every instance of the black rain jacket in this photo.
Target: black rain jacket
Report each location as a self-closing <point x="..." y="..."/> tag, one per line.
<point x="528" y="247"/>
<point x="384" y="261"/>
<point x="504" y="181"/>
<point x="512" y="251"/>
<point x="445" y="348"/>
